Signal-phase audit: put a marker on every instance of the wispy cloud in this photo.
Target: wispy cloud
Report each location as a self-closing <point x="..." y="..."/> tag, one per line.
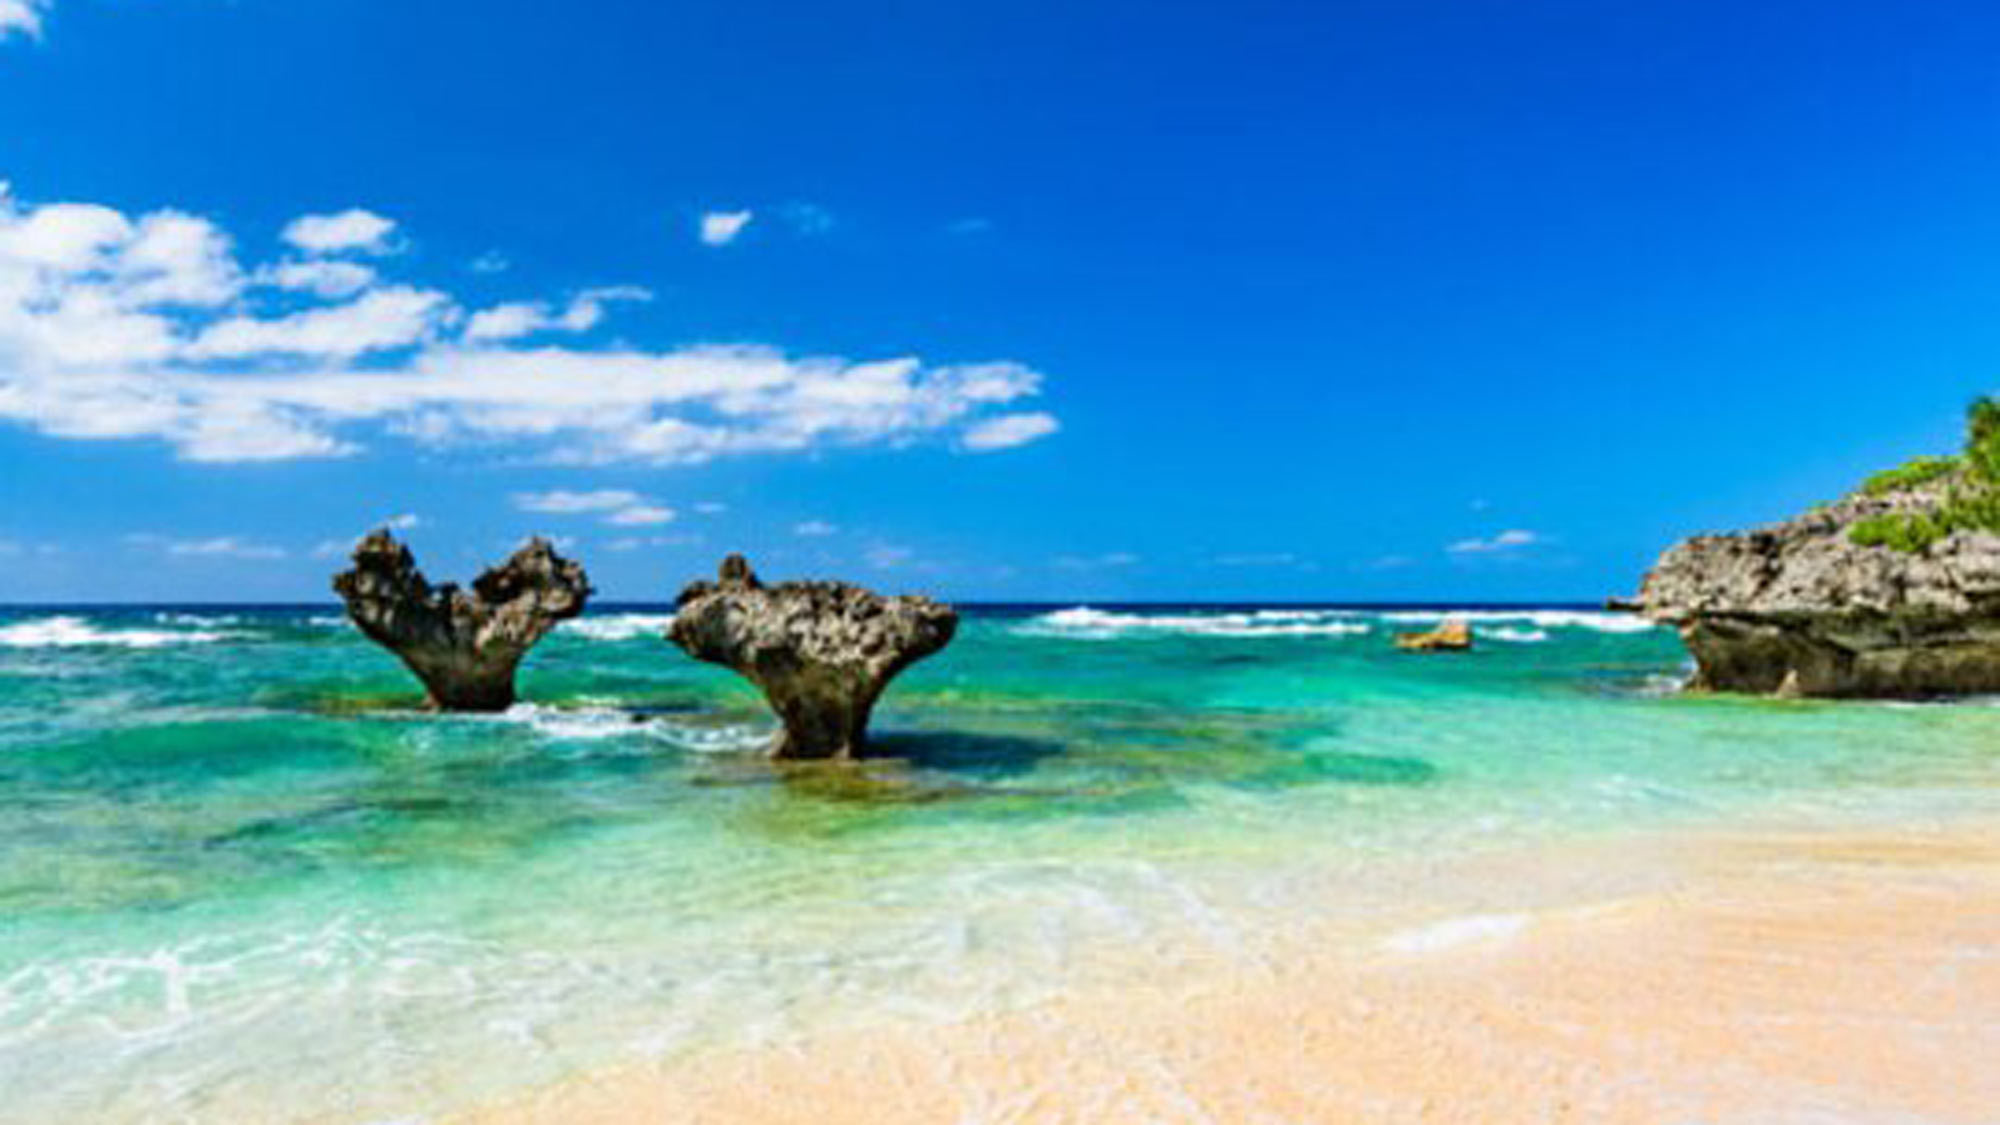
<point x="584" y="312"/>
<point x="1008" y="431"/>
<point x="887" y="556"/>
<point x="720" y="228"/>
<point x="1263" y="559"/>
<point x="640" y="515"/>
<point x="563" y="502"/>
<point x="642" y="542"/>
<point x="222" y="546"/>
<point x="321" y="277"/>
<point x="22" y="17"/>
<point x="383" y="320"/>
<point x="493" y="261"/>
<point x="115" y="326"/>
<point x="811" y="529"/>
<point x="617" y="507"/>
<point x="1505" y="541"/>
<point x="1110" y="561"/>
<point x="351" y="231"/>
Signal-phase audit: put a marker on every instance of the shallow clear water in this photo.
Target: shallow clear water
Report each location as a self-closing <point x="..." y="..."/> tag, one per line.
<point x="240" y="873"/>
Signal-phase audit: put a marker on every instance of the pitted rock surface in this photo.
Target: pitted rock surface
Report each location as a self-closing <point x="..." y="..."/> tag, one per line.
<point x="1797" y="608"/>
<point x="464" y="645"/>
<point x="822" y="652"/>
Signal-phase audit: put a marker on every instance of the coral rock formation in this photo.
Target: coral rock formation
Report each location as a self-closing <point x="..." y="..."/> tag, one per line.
<point x="1806" y="607"/>
<point x="464" y="645"/>
<point x="822" y="652"/>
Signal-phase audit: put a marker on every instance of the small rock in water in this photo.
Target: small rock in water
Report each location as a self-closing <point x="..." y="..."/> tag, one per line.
<point x="1451" y="635"/>
<point x="822" y="652"/>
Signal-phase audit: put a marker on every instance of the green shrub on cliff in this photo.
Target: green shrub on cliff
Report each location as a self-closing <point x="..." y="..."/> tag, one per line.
<point x="1982" y="438"/>
<point x="1971" y="494"/>
<point x="1923" y="470"/>
<point x="1901" y="532"/>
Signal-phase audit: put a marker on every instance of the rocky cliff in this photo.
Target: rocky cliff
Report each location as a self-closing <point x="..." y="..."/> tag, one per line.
<point x="1893" y="592"/>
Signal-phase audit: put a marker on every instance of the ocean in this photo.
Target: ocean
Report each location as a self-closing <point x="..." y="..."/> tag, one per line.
<point x="244" y="877"/>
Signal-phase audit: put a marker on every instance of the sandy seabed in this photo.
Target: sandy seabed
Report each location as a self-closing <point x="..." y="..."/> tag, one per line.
<point x="1782" y="977"/>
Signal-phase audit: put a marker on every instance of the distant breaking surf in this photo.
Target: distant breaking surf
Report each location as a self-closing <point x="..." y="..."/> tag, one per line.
<point x="1521" y="626"/>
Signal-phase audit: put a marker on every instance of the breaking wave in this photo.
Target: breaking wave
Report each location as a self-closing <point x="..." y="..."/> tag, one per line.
<point x="1096" y="624"/>
<point x="1521" y="626"/>
<point x="75" y="632"/>
<point x="620" y="626"/>
<point x="1603" y="621"/>
<point x="592" y="722"/>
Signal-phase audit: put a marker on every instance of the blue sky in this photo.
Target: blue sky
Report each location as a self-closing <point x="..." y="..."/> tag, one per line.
<point x="1074" y="301"/>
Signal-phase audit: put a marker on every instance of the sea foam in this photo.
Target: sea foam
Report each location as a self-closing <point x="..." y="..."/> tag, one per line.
<point x="1603" y="621"/>
<point x="1083" y="622"/>
<point x="619" y="626"/>
<point x="75" y="632"/>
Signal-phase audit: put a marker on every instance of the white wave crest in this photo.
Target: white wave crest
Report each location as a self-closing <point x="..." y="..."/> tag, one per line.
<point x="75" y="632"/>
<point x="593" y="722"/>
<point x="1603" y="621"/>
<point x="1516" y="635"/>
<point x="1083" y="622"/>
<point x="196" y="619"/>
<point x="620" y="626"/>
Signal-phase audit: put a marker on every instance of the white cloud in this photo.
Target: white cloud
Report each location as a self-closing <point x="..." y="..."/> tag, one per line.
<point x="711" y="507"/>
<point x="383" y="320"/>
<point x="223" y="546"/>
<point x="1008" y="431"/>
<point x="321" y="277"/>
<point x="720" y="228"/>
<point x="525" y="318"/>
<point x="617" y="507"/>
<point x="636" y="542"/>
<point x="1505" y="541"/>
<point x="23" y="17"/>
<point x="640" y="515"/>
<point x="350" y="231"/>
<point x="492" y="261"/>
<point x="563" y="502"/>
<point x="405" y="522"/>
<point x="812" y="529"/>
<point x="1111" y="561"/>
<point x="1268" y="558"/>
<point x="115" y="327"/>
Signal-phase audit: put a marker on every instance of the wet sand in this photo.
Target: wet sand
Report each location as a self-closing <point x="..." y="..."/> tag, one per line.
<point x="1779" y="977"/>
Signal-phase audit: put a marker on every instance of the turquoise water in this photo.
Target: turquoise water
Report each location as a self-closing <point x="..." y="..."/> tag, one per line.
<point x="241" y="877"/>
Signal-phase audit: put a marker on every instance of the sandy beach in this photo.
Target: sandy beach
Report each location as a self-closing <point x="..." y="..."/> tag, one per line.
<point x="1783" y="976"/>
